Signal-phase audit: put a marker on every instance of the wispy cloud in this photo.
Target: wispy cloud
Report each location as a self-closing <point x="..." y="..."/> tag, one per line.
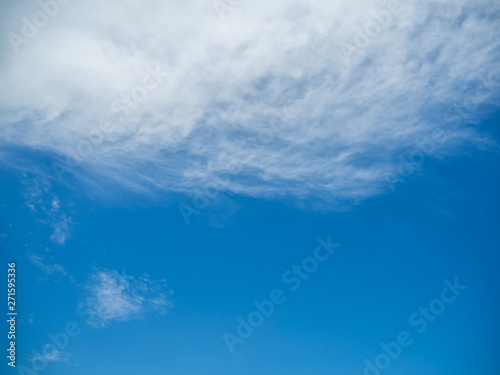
<point x="115" y="297"/>
<point x="45" y="205"/>
<point x="49" y="269"/>
<point x="348" y="113"/>
<point x="53" y="355"/>
<point x="61" y="232"/>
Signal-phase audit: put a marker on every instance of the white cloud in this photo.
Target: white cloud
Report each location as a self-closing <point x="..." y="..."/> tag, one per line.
<point x="347" y="119"/>
<point x="50" y="355"/>
<point x="45" y="206"/>
<point x="49" y="269"/>
<point x="112" y="296"/>
<point x="61" y="231"/>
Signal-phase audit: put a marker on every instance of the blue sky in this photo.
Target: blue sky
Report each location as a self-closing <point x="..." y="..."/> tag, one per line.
<point x="242" y="188"/>
<point x="395" y="252"/>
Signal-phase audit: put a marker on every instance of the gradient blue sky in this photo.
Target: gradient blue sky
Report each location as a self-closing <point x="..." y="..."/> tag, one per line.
<point x="272" y="125"/>
<point x="396" y="250"/>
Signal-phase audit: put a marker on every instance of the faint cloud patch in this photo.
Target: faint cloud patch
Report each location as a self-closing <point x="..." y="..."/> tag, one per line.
<point x="32" y="320"/>
<point x="61" y="232"/>
<point x="115" y="297"/>
<point x="49" y="269"/>
<point x="53" y="355"/>
<point x="46" y="207"/>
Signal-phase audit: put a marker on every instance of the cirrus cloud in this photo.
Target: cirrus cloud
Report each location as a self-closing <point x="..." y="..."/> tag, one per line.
<point x="114" y="297"/>
<point x="349" y="108"/>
